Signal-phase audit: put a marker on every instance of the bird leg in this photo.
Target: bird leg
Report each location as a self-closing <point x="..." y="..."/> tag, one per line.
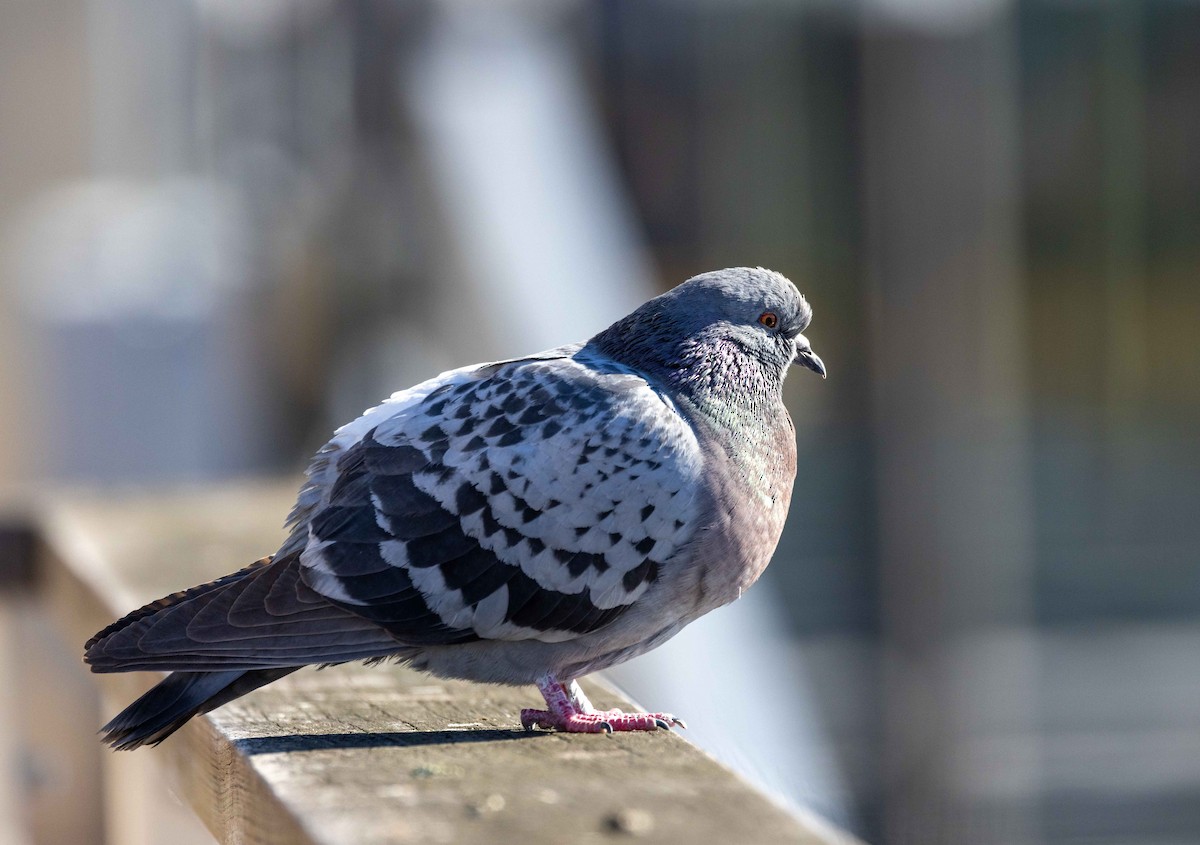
<point x="568" y="709"/>
<point x="580" y="700"/>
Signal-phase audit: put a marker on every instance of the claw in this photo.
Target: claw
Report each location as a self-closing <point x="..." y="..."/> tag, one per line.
<point x="676" y="720"/>
<point x="567" y="709"/>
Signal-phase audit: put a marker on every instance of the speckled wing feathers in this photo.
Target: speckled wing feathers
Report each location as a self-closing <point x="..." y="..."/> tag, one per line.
<point x="535" y="499"/>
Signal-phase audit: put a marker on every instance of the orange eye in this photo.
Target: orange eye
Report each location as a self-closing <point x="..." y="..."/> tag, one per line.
<point x="768" y="319"/>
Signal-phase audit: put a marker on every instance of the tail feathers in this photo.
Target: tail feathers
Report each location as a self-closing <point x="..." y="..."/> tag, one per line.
<point x="177" y="698"/>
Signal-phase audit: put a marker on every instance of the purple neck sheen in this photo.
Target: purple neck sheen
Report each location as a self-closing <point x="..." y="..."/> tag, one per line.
<point x="699" y="364"/>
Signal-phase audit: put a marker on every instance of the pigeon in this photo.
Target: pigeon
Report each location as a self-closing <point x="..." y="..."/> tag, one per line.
<point x="527" y="521"/>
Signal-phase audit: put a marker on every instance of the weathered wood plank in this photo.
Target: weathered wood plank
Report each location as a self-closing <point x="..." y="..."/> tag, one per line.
<point x="373" y="755"/>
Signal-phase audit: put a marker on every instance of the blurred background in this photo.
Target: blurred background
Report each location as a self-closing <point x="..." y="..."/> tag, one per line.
<point x="227" y="227"/>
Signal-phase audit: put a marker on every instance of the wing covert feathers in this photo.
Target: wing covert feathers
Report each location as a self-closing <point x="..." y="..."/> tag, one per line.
<point x="536" y="499"/>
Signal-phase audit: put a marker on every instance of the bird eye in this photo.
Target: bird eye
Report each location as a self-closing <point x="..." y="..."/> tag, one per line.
<point x="769" y="319"/>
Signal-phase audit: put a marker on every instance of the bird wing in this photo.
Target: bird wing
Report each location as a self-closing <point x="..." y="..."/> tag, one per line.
<point x="531" y="499"/>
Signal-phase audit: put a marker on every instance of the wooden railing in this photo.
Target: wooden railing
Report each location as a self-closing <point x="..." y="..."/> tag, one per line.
<point x="341" y="755"/>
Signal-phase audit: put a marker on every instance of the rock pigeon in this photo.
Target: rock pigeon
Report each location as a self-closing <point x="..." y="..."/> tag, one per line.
<point x="524" y="521"/>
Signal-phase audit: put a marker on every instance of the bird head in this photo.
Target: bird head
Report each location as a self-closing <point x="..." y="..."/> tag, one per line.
<point x="713" y="325"/>
<point x="759" y="310"/>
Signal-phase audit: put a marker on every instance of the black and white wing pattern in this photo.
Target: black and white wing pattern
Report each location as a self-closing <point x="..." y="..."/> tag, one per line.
<point x="531" y="499"/>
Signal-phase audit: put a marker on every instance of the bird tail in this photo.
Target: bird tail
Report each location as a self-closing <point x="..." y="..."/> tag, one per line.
<point x="223" y="639"/>
<point x="177" y="698"/>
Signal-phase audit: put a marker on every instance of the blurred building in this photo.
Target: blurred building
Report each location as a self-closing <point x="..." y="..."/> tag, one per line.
<point x="225" y="228"/>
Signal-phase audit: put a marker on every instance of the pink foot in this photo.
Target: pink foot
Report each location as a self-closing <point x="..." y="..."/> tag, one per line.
<point x="571" y="712"/>
<point x="595" y="723"/>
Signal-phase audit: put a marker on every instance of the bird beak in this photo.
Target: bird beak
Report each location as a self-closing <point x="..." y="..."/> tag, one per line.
<point x="805" y="357"/>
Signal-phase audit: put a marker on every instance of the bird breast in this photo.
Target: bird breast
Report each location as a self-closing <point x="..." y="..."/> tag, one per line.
<point x="750" y="500"/>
